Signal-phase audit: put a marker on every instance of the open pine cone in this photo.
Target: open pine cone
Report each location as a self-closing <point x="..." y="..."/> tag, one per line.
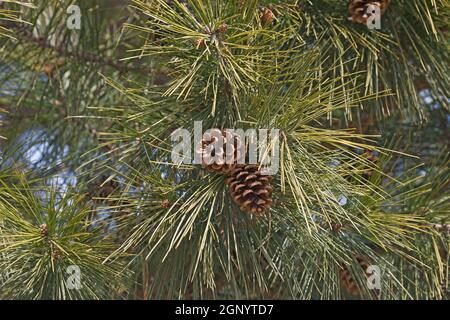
<point x="250" y="190"/>
<point x="358" y="9"/>
<point x="220" y="166"/>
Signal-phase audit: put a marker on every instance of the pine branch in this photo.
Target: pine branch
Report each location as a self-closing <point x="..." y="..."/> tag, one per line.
<point x="26" y="35"/>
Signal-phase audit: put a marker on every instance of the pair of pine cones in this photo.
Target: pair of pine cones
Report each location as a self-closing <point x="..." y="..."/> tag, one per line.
<point x="248" y="187"/>
<point x="360" y="9"/>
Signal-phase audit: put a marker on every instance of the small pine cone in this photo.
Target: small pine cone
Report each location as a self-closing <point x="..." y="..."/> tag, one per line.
<point x="43" y="229"/>
<point x="223" y="28"/>
<point x="336" y="227"/>
<point x="372" y="157"/>
<point x="358" y="9"/>
<point x="250" y="190"/>
<point x="348" y="282"/>
<point x="165" y="204"/>
<point x="56" y="253"/>
<point x="220" y="165"/>
<point x="266" y="16"/>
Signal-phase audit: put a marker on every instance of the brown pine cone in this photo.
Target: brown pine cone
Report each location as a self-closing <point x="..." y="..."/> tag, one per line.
<point x="348" y="281"/>
<point x="165" y="204"/>
<point x="358" y="9"/>
<point x="56" y="254"/>
<point x="223" y="28"/>
<point x="43" y="229"/>
<point x="221" y="165"/>
<point x="372" y="157"/>
<point x="250" y="190"/>
<point x="266" y="16"/>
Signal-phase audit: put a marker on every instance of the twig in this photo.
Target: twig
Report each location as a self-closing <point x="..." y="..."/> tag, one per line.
<point x="84" y="56"/>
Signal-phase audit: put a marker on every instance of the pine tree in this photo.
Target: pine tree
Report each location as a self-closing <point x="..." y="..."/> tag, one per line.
<point x="87" y="177"/>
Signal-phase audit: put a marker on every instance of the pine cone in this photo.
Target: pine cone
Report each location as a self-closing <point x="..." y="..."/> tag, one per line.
<point x="165" y="204"/>
<point x="250" y="190"/>
<point x="56" y="254"/>
<point x="223" y="28"/>
<point x="372" y="157"/>
<point x="358" y="9"/>
<point x="219" y="166"/>
<point x="43" y="229"/>
<point x="348" y="282"/>
<point x="336" y="227"/>
<point x="266" y="16"/>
